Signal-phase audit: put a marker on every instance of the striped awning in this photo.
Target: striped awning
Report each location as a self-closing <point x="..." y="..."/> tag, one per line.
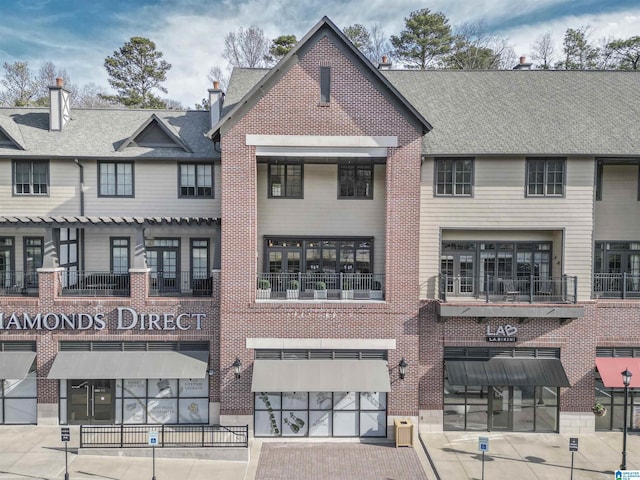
<point x="517" y="372"/>
<point x="83" y="221"/>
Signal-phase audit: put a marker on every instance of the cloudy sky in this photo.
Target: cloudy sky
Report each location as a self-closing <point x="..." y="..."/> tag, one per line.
<point x="78" y="34"/>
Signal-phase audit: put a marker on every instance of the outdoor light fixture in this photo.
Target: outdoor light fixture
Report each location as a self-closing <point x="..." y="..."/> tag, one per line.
<point x="626" y="380"/>
<point x="403" y="368"/>
<point x="237" y="364"/>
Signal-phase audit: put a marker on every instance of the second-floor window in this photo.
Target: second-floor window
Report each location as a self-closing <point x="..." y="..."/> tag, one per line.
<point x="355" y="181"/>
<point x="115" y="179"/>
<point x="196" y="180"/>
<point x="285" y="180"/>
<point x="31" y="177"/>
<point x="120" y="255"/>
<point x="545" y="176"/>
<point x="454" y="176"/>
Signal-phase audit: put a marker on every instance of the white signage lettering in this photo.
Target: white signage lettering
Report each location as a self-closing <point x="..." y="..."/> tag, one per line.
<point x="127" y="319"/>
<point x="504" y="333"/>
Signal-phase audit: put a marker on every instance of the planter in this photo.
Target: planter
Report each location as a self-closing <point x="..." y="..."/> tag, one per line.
<point x="263" y="294"/>
<point x="599" y="412"/>
<point x="293" y="294"/>
<point x="319" y="294"/>
<point x="375" y="294"/>
<point x="347" y="295"/>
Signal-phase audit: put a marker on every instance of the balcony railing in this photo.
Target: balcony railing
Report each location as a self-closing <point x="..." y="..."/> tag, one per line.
<point x="320" y="286"/>
<point x="179" y="284"/>
<point x="95" y="284"/>
<point x="526" y="288"/>
<point x="616" y="285"/>
<point x="18" y="283"/>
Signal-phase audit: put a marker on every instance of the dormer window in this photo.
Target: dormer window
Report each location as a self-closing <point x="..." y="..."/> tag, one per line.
<point x="325" y="84"/>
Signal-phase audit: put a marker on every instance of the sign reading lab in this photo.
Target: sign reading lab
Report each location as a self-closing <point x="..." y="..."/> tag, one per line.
<point x="503" y="333"/>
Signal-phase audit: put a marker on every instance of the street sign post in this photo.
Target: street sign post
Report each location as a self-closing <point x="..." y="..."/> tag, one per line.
<point x="65" y="436"/>
<point x="483" y="446"/>
<point x="153" y="441"/>
<point x="573" y="448"/>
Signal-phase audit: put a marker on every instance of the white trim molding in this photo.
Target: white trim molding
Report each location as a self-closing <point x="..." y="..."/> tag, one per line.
<point x="323" y="343"/>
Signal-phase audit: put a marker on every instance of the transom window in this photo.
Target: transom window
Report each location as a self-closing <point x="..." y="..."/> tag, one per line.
<point x="196" y="180"/>
<point x="355" y="180"/>
<point x="285" y="180"/>
<point x="31" y="177"/>
<point x="115" y="179"/>
<point x="454" y="176"/>
<point x="545" y="176"/>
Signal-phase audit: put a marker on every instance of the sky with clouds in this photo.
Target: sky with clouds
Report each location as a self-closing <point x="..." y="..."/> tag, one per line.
<point x="77" y="35"/>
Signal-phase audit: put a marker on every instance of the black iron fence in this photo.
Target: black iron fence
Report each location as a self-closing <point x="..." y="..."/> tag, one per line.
<point x="616" y="285"/>
<point x="95" y="284"/>
<point x="523" y="288"/>
<point x="137" y="436"/>
<point x="171" y="284"/>
<point x="18" y="283"/>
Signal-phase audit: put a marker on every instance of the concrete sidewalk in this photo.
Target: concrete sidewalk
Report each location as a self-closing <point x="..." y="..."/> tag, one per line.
<point x="36" y="452"/>
<point x="529" y="456"/>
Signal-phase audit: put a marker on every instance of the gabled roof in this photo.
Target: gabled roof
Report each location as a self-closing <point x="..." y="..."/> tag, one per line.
<point x="325" y="25"/>
<point x="154" y="122"/>
<point x="98" y="133"/>
<point x="10" y="133"/>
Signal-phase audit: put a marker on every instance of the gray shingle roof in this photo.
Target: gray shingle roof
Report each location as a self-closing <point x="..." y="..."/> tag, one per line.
<point x="522" y="112"/>
<point x="241" y="81"/>
<point x="526" y="112"/>
<point x="99" y="132"/>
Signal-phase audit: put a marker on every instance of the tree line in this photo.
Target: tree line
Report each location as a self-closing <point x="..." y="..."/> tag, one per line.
<point x="428" y="41"/>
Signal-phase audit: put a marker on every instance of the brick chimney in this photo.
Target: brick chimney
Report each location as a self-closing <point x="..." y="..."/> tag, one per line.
<point x="523" y="65"/>
<point x="384" y="64"/>
<point x="216" y="99"/>
<point x="59" y="106"/>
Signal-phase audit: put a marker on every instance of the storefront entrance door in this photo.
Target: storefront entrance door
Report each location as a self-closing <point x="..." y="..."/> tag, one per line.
<point x="91" y="402"/>
<point x="501" y="408"/>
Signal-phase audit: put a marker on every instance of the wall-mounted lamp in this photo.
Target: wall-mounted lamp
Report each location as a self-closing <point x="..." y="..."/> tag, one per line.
<point x="403" y="368"/>
<point x="237" y="364"/>
<point x="211" y="372"/>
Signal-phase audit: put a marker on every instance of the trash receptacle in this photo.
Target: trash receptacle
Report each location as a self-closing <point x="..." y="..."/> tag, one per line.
<point x="404" y="432"/>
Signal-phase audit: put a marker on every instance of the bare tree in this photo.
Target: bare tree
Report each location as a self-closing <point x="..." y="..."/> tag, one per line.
<point x="379" y="43"/>
<point x="246" y="48"/>
<point x="542" y="51"/>
<point x="47" y="77"/>
<point x="91" y="95"/>
<point x="20" y="86"/>
<point x="216" y="74"/>
<point x="476" y="48"/>
<point x="606" y="55"/>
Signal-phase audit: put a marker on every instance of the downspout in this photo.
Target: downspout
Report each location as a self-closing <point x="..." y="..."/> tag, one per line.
<point x="81" y="186"/>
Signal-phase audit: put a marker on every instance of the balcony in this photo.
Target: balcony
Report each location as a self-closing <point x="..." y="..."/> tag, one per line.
<point x="522" y="297"/>
<point x="616" y="285"/>
<point x="13" y="283"/>
<point x="95" y="284"/>
<point x="179" y="284"/>
<point x="320" y="286"/>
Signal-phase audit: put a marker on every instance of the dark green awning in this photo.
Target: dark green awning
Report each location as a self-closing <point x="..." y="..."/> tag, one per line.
<point x="517" y="372"/>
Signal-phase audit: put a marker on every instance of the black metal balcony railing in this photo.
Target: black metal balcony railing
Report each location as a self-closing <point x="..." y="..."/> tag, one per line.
<point x="529" y="288"/>
<point x="320" y="286"/>
<point x="136" y="436"/>
<point x="616" y="285"/>
<point x="179" y="284"/>
<point x="95" y="284"/>
<point x="18" y="283"/>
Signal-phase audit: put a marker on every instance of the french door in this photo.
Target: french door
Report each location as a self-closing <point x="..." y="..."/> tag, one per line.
<point x="163" y="260"/>
<point x="459" y="269"/>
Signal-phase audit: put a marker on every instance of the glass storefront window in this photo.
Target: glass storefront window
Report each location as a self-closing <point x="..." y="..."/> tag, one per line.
<point x="320" y="414"/>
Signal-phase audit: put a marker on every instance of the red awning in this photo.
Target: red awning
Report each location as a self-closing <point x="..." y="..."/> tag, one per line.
<point x="611" y="368"/>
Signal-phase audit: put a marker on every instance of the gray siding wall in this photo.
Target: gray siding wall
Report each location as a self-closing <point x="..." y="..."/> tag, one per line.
<point x="321" y="213"/>
<point x="499" y="201"/>
<point x="618" y="213"/>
